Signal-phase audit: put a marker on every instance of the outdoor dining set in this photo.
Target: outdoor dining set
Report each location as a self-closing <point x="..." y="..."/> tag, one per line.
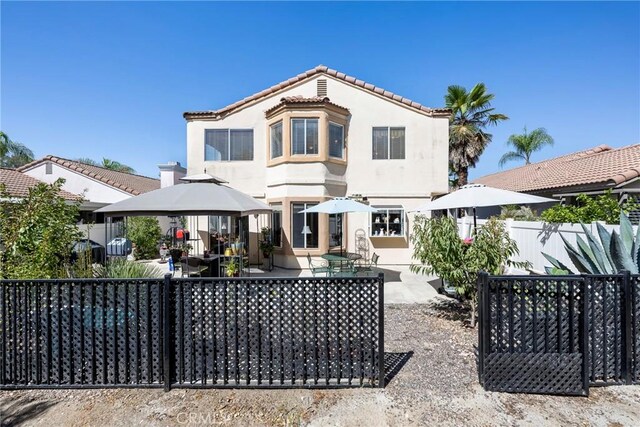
<point x="343" y="264"/>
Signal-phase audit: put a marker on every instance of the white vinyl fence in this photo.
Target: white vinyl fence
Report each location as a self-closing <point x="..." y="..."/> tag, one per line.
<point x="533" y="238"/>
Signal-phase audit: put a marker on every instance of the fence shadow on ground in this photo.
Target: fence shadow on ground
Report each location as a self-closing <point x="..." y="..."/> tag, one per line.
<point x="450" y="309"/>
<point x="19" y="411"/>
<point x="393" y="363"/>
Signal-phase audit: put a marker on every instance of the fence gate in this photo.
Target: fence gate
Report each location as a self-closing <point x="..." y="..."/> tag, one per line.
<point x="533" y="334"/>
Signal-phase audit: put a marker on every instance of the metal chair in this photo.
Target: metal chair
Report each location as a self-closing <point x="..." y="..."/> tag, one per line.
<point x="315" y="268"/>
<point x="368" y="267"/>
<point x="192" y="267"/>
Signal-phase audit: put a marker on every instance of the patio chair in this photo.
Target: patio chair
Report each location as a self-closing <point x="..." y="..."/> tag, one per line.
<point x="192" y="267"/>
<point x="318" y="268"/>
<point x="368" y="267"/>
<point x="347" y="269"/>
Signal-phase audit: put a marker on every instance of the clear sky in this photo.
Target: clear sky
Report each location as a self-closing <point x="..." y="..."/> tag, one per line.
<point x="113" y="79"/>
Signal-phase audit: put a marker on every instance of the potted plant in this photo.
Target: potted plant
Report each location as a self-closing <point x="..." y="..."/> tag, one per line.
<point x="233" y="269"/>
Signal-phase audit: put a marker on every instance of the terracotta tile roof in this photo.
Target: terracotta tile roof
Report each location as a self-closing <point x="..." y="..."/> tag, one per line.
<point x="314" y="100"/>
<point x="127" y="182"/>
<point x="320" y="69"/>
<point x="599" y="166"/>
<point x="17" y="184"/>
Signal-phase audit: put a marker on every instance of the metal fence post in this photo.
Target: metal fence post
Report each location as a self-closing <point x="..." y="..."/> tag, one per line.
<point x="626" y="344"/>
<point x="381" y="373"/>
<point x="166" y="330"/>
<point x="482" y="279"/>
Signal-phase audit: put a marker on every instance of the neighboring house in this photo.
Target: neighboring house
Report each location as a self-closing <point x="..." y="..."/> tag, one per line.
<point x="96" y="185"/>
<point x="17" y="185"/>
<point x="319" y="135"/>
<point x="591" y="171"/>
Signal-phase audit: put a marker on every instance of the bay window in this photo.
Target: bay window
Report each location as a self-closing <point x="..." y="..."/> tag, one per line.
<point x="304" y="136"/>
<point x="276" y="224"/>
<point x="336" y="140"/>
<point x="276" y="140"/>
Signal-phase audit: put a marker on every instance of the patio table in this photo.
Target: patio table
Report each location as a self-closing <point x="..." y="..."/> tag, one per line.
<point x="341" y="263"/>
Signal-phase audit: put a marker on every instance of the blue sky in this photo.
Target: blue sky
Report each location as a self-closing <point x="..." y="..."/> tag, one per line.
<point x="112" y="79"/>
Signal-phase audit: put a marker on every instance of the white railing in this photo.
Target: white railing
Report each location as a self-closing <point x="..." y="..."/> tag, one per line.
<point x="534" y="237"/>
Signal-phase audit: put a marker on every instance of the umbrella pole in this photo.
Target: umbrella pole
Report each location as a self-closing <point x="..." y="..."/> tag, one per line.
<point x="474" y="221"/>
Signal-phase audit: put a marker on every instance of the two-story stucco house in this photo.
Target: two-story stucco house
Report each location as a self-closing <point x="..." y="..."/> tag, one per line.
<point x="319" y="135"/>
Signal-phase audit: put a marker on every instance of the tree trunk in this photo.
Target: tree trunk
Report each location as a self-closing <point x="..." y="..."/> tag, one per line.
<point x="473" y="303"/>
<point x="463" y="176"/>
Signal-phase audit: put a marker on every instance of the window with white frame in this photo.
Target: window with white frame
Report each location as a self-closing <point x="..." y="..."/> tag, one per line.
<point x="388" y="221"/>
<point x="276" y="140"/>
<point x="336" y="140"/>
<point x="304" y="227"/>
<point x="304" y="136"/>
<point x="228" y="144"/>
<point x="388" y="143"/>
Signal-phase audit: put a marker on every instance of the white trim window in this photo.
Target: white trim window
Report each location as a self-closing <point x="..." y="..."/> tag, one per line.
<point x="304" y="137"/>
<point x="224" y="145"/>
<point x="387" y="222"/>
<point x="276" y="139"/>
<point x="304" y="227"/>
<point x="336" y="140"/>
<point x="388" y="143"/>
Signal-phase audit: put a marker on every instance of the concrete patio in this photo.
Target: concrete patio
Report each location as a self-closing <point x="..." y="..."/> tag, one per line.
<point x="401" y="285"/>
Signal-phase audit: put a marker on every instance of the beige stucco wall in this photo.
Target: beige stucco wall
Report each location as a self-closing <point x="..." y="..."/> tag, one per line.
<point x="408" y="182"/>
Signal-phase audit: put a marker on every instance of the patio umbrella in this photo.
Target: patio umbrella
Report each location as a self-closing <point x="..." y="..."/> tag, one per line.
<point x="193" y="198"/>
<point x="479" y="195"/>
<point x="339" y="205"/>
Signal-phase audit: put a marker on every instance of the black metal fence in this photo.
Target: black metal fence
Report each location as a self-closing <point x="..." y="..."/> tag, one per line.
<point x="275" y="332"/>
<point x="558" y="334"/>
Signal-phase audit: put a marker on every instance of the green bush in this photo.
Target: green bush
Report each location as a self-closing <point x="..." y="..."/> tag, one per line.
<point x="604" y="207"/>
<point x="518" y="213"/>
<point x="440" y="251"/>
<point x="37" y="233"/>
<point x="145" y="233"/>
<point x="120" y="268"/>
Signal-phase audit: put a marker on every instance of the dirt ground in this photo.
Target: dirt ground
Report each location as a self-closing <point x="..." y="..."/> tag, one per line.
<point x="435" y="383"/>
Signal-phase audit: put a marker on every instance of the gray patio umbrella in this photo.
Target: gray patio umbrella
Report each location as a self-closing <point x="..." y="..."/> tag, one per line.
<point x="193" y="198"/>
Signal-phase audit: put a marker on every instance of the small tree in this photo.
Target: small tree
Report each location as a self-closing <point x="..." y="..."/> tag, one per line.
<point x="145" y="232"/>
<point x="37" y="233"/>
<point x="441" y="251"/>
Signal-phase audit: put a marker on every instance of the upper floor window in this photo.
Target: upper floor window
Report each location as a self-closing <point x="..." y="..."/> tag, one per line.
<point x="228" y="144"/>
<point x="304" y="136"/>
<point x="388" y="143"/>
<point x="276" y="140"/>
<point x="336" y="140"/>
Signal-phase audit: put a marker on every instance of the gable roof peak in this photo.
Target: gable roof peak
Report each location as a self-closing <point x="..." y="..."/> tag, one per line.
<point x="319" y="69"/>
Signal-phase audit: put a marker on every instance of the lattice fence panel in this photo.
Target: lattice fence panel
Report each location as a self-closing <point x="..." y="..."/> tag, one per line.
<point x="635" y="328"/>
<point x="78" y="333"/>
<point x="279" y="332"/>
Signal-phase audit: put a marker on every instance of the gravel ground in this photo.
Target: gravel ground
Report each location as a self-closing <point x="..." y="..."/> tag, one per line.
<point x="437" y="385"/>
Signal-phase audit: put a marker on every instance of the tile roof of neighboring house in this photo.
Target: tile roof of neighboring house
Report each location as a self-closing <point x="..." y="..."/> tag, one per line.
<point x="602" y="165"/>
<point x="127" y="182"/>
<point x="305" y="101"/>
<point x="17" y="184"/>
<point x="320" y="69"/>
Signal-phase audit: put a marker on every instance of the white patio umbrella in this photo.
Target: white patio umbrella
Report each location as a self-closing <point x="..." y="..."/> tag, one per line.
<point x="479" y="195"/>
<point x="339" y="205"/>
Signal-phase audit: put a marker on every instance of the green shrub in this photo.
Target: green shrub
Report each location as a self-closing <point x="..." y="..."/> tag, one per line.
<point x="37" y="233"/>
<point x="604" y="207"/>
<point x="440" y="251"/>
<point x="120" y="268"/>
<point x="145" y="233"/>
<point x="518" y="213"/>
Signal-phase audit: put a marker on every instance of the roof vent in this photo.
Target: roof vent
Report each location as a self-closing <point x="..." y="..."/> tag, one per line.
<point x="322" y="87"/>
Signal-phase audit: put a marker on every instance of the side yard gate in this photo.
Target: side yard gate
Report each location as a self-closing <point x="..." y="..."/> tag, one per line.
<point x="246" y="332"/>
<point x="558" y="334"/>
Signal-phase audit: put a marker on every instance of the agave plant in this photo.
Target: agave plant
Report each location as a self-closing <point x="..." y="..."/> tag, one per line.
<point x="610" y="254"/>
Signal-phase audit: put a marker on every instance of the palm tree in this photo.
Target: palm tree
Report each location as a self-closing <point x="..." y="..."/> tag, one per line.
<point x="472" y="113"/>
<point x="107" y="164"/>
<point x="13" y="154"/>
<point x="526" y="144"/>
